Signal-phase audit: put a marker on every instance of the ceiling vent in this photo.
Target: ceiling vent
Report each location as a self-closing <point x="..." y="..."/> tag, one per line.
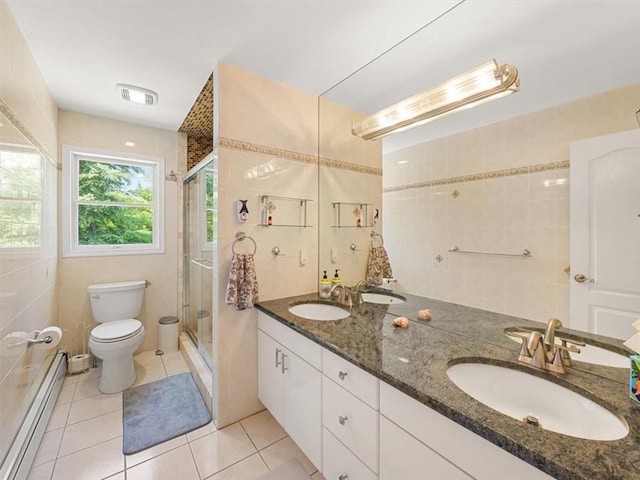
<point x="142" y="96"/>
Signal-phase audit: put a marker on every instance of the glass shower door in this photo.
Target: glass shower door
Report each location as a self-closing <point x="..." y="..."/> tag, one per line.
<point x="199" y="223"/>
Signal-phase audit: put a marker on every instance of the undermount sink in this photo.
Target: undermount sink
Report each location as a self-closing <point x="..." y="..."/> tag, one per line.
<point x="382" y="298"/>
<point x="594" y="355"/>
<point x="533" y="399"/>
<point x="319" y="311"/>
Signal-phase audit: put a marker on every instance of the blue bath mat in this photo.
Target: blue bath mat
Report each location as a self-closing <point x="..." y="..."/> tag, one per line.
<point x="159" y="411"/>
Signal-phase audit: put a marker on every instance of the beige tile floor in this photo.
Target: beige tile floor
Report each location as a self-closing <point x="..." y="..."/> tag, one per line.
<point x="83" y="439"/>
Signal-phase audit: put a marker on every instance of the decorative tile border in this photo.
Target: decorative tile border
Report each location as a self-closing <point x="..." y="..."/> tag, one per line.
<point x="353" y="167"/>
<point x="24" y="130"/>
<point x="295" y="156"/>
<point x="480" y="176"/>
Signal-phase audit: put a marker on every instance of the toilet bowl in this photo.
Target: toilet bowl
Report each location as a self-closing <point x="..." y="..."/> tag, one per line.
<point x="114" y="306"/>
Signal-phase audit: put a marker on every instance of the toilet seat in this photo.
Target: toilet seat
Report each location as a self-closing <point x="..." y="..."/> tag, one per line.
<point x="117" y="331"/>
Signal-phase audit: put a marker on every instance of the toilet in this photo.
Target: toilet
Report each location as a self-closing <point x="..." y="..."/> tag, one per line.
<point x="114" y="307"/>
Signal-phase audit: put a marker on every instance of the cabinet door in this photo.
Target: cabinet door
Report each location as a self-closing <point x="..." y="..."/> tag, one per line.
<point x="270" y="377"/>
<point x="302" y="410"/>
<point x="404" y="457"/>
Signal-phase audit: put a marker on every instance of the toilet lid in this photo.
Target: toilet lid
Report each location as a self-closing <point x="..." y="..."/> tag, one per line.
<point x="118" y="330"/>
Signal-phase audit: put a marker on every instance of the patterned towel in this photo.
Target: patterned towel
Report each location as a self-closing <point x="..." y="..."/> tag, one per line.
<point x="242" y="289"/>
<point x="378" y="266"/>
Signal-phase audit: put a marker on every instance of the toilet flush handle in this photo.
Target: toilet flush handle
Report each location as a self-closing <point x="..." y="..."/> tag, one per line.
<point x="95" y="296"/>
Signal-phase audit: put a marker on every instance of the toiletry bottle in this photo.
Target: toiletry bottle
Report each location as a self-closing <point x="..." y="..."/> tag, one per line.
<point x="269" y="220"/>
<point x="325" y="286"/>
<point x="336" y="280"/>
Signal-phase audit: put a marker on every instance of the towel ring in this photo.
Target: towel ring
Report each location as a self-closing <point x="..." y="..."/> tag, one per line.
<point x="240" y="236"/>
<point x="373" y="235"/>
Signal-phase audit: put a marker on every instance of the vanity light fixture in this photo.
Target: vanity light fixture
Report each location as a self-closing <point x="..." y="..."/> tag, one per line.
<point x="142" y="96"/>
<point x="484" y="83"/>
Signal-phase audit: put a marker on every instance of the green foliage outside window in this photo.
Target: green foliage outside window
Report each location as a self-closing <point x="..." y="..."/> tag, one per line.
<point x="20" y="198"/>
<point x="115" y="204"/>
<point x="211" y="197"/>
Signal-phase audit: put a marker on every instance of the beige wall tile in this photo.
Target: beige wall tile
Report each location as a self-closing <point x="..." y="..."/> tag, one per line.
<point x="258" y="110"/>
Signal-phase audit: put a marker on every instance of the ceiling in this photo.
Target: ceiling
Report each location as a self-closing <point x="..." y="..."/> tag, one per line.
<point x="563" y="49"/>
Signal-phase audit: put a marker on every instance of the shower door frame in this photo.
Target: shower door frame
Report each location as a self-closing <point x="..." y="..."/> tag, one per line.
<point x="186" y="261"/>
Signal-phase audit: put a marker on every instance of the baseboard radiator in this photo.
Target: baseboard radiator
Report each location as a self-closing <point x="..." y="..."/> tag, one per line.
<point x="23" y="450"/>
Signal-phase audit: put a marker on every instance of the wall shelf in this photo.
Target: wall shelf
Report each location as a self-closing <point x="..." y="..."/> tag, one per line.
<point x="351" y="215"/>
<point x="289" y="215"/>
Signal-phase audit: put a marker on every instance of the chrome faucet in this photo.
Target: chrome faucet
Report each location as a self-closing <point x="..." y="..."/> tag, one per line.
<point x="344" y="296"/>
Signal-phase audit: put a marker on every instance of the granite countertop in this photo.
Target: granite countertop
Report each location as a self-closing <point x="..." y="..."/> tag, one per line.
<point x="415" y="361"/>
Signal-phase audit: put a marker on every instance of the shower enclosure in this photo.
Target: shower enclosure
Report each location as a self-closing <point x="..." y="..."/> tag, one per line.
<point x="199" y="239"/>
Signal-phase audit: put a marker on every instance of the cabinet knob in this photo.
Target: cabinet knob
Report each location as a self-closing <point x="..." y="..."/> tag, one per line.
<point x="342" y="420"/>
<point x="344" y="476"/>
<point x="342" y="375"/>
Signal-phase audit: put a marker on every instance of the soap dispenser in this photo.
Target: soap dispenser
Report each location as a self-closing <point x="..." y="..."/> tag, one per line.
<point x="325" y="286"/>
<point x="336" y="280"/>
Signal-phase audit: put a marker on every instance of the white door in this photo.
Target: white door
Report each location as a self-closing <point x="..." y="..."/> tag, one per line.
<point x="605" y="234"/>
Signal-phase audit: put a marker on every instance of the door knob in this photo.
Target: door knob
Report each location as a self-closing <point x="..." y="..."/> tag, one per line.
<point x="580" y="278"/>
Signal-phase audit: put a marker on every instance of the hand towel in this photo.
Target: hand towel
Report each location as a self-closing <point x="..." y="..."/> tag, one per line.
<point x="378" y="266"/>
<point x="242" y="288"/>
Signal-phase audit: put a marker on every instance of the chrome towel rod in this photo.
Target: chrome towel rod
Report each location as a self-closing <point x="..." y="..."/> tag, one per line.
<point x="525" y="253"/>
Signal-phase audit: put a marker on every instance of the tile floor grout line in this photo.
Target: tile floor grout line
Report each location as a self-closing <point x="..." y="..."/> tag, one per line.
<point x="87" y="448"/>
<point x="193" y="457"/>
<point x="248" y="436"/>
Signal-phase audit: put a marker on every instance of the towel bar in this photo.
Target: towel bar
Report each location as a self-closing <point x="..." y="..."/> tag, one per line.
<point x="525" y="253"/>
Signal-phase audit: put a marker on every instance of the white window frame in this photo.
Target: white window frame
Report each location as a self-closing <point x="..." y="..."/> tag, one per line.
<point x="70" y="201"/>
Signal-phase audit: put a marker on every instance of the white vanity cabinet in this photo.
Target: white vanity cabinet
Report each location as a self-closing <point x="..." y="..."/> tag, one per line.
<point x="352" y="426"/>
<point x="289" y="383"/>
<point x="416" y="439"/>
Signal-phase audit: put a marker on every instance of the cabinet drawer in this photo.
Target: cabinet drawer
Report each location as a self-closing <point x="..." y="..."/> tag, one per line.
<point x="462" y="447"/>
<point x="402" y="457"/>
<point x="309" y="351"/>
<point x="355" y="380"/>
<point x="352" y="421"/>
<point x="338" y="461"/>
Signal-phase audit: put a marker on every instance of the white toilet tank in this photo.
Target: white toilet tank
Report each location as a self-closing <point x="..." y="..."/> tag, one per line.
<point x="116" y="301"/>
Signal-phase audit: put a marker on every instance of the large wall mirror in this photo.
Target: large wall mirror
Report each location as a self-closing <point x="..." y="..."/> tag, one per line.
<point x="490" y="179"/>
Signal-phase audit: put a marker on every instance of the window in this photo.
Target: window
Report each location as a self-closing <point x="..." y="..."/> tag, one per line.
<point x="20" y="197"/>
<point x="112" y="204"/>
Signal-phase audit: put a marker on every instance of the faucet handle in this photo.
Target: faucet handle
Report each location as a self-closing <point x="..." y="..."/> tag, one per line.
<point x="561" y="357"/>
<point x="569" y="346"/>
<point x="535" y="346"/>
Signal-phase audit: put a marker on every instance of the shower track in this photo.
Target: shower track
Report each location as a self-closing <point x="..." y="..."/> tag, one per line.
<point x="23" y="450"/>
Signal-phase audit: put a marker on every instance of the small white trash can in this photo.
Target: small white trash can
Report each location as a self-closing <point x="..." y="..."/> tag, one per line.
<point x="168" y="335"/>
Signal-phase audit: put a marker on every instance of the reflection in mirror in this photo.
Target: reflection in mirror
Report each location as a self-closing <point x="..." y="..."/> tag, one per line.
<point x="21" y="168"/>
<point x="492" y="179"/>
